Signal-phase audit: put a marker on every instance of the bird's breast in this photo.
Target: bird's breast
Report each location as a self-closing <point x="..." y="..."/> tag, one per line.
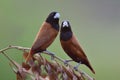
<point x="44" y="37"/>
<point x="73" y="50"/>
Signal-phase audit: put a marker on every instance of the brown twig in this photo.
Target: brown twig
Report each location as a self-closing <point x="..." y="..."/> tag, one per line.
<point x="46" y="52"/>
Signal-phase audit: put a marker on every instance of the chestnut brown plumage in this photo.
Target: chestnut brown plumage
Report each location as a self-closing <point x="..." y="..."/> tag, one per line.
<point x="71" y="45"/>
<point x="46" y="35"/>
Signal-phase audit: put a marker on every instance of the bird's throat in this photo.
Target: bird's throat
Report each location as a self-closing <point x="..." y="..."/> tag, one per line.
<point x="65" y="36"/>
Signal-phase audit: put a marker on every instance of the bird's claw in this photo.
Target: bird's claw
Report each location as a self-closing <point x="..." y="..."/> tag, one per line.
<point x="75" y="68"/>
<point x="66" y="62"/>
<point x="52" y="56"/>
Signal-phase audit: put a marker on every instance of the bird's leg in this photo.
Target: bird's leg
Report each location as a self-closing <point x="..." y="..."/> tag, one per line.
<point x="50" y="53"/>
<point x="66" y="61"/>
<point x="76" y="67"/>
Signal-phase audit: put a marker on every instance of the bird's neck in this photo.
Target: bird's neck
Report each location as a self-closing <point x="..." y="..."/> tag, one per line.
<point x="55" y="26"/>
<point x="66" y="35"/>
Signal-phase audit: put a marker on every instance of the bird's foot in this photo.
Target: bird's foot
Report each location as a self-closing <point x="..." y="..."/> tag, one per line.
<point x="52" y="56"/>
<point x="76" y="67"/>
<point x="67" y="61"/>
<point x="50" y="53"/>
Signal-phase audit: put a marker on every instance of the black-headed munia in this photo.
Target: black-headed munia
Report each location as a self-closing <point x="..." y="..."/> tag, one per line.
<point x="46" y="35"/>
<point x="71" y="45"/>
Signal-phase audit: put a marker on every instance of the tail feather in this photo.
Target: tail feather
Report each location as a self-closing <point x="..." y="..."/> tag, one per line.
<point x="90" y="67"/>
<point x="29" y="57"/>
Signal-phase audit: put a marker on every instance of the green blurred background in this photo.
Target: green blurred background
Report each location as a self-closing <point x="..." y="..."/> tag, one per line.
<point x="96" y="23"/>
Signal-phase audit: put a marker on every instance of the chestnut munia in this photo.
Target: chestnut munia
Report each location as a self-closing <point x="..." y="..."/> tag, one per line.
<point x="71" y="45"/>
<point x="46" y="35"/>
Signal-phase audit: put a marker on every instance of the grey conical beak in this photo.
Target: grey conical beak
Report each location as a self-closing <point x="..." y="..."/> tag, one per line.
<point x="65" y="24"/>
<point x="57" y="15"/>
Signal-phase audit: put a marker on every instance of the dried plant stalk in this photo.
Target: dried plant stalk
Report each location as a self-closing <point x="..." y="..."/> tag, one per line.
<point x="43" y="69"/>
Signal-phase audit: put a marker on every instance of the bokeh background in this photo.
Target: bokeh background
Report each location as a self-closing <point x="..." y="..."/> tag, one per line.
<point x="96" y="23"/>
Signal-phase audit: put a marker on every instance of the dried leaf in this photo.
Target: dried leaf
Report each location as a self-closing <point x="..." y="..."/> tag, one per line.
<point x="39" y="59"/>
<point x="65" y="76"/>
<point x="19" y="76"/>
<point x="36" y="68"/>
<point x="68" y="72"/>
<point x="53" y="75"/>
<point x="25" y="54"/>
<point x="26" y="66"/>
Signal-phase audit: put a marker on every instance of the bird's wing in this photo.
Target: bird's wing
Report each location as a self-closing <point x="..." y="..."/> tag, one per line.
<point x="45" y="37"/>
<point x="76" y="44"/>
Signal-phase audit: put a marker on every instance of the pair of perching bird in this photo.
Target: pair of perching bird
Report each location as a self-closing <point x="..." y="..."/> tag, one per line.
<point x="69" y="42"/>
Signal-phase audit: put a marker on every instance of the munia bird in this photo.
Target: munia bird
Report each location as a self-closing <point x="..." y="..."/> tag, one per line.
<point x="71" y="45"/>
<point x="46" y="35"/>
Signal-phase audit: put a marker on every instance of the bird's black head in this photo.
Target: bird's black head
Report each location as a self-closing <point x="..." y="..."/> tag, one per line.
<point x="65" y="32"/>
<point x="65" y="26"/>
<point x="53" y="19"/>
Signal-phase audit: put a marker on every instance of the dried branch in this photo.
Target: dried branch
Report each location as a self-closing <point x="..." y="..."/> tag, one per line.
<point x="52" y="68"/>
